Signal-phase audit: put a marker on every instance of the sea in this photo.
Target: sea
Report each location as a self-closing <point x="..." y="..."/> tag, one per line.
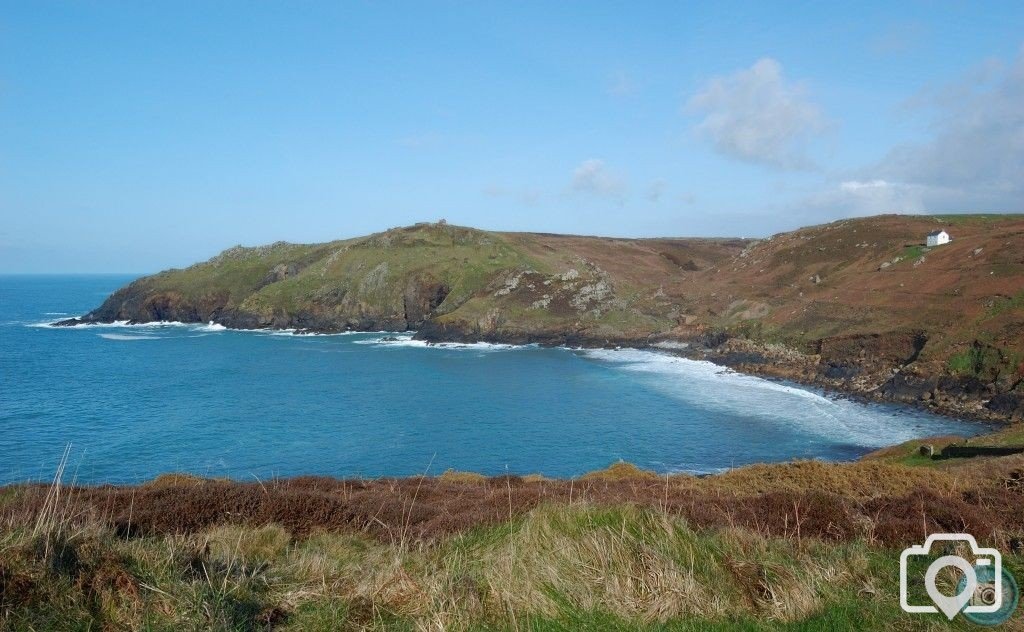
<point x="130" y="402"/>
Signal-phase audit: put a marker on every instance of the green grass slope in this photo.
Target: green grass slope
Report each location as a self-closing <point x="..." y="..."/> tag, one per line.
<point x="401" y="278"/>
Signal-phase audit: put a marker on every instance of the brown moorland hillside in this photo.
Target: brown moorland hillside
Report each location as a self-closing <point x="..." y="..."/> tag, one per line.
<point x="874" y="310"/>
<point x="872" y="275"/>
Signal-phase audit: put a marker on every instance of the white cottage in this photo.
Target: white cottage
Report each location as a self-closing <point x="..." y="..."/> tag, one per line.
<point x="937" y="238"/>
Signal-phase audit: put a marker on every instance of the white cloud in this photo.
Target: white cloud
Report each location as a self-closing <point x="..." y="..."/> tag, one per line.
<point x="874" y="197"/>
<point x="592" y="176"/>
<point x="755" y="115"/>
<point x="975" y="157"/>
<point x="857" y="186"/>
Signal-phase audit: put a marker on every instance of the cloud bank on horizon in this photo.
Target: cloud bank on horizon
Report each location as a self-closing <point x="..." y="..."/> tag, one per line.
<point x="971" y="159"/>
<point x="142" y="137"/>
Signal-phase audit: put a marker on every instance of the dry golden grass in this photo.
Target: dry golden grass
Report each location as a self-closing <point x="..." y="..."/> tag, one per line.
<point x="173" y="479"/>
<point x="858" y="480"/>
<point x="561" y="567"/>
<point x="805" y="544"/>
<point x="453" y="476"/>
<point x="620" y="471"/>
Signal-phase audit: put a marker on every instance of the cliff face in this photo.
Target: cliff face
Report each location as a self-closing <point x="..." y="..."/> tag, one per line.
<point x="860" y="305"/>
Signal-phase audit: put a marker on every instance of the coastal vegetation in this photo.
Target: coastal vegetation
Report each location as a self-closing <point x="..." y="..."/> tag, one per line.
<point x="859" y="305"/>
<point x="856" y="305"/>
<point x="805" y="545"/>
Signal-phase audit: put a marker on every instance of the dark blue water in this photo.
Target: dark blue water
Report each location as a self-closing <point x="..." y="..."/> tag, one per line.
<point x="138" y="401"/>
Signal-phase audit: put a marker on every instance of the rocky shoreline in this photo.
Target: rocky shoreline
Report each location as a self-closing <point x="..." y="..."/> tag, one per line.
<point x="861" y="374"/>
<point x="868" y="368"/>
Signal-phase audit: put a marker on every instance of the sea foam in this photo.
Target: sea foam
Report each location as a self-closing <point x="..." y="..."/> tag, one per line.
<point x="128" y="337"/>
<point x="406" y="340"/>
<point x="49" y="324"/>
<point x="714" y="387"/>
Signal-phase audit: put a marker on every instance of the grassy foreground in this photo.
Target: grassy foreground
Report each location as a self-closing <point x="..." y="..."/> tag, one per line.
<point x="802" y="546"/>
<point x="558" y="568"/>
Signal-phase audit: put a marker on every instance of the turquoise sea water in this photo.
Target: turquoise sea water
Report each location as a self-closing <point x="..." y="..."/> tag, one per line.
<point x="137" y="401"/>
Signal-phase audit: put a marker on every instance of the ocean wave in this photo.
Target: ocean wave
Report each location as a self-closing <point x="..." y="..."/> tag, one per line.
<point x="392" y="341"/>
<point x="345" y="333"/>
<point x="694" y="370"/>
<point x="117" y="324"/>
<point x="409" y="341"/>
<point x="762" y="401"/>
<point x="318" y="334"/>
<point x="128" y="337"/>
<point x="210" y="327"/>
<point x="698" y="471"/>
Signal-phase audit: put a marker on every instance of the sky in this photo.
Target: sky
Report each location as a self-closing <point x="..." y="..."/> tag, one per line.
<point x="140" y="136"/>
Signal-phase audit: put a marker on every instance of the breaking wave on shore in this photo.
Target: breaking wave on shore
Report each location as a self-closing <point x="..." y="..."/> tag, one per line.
<point x="210" y="327"/>
<point x="836" y="418"/>
<point x="406" y="340"/>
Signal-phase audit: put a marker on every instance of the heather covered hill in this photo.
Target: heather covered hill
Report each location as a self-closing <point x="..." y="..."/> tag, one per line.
<point x="872" y="275"/>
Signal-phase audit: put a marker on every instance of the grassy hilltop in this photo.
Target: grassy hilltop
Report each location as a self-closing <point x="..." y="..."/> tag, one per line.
<point x="401" y="278"/>
<point x="860" y="305"/>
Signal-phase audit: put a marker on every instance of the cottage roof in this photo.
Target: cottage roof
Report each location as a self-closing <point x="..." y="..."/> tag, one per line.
<point x="935" y="233"/>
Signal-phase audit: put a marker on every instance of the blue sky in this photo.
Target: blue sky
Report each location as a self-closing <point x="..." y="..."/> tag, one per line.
<point x="140" y="136"/>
